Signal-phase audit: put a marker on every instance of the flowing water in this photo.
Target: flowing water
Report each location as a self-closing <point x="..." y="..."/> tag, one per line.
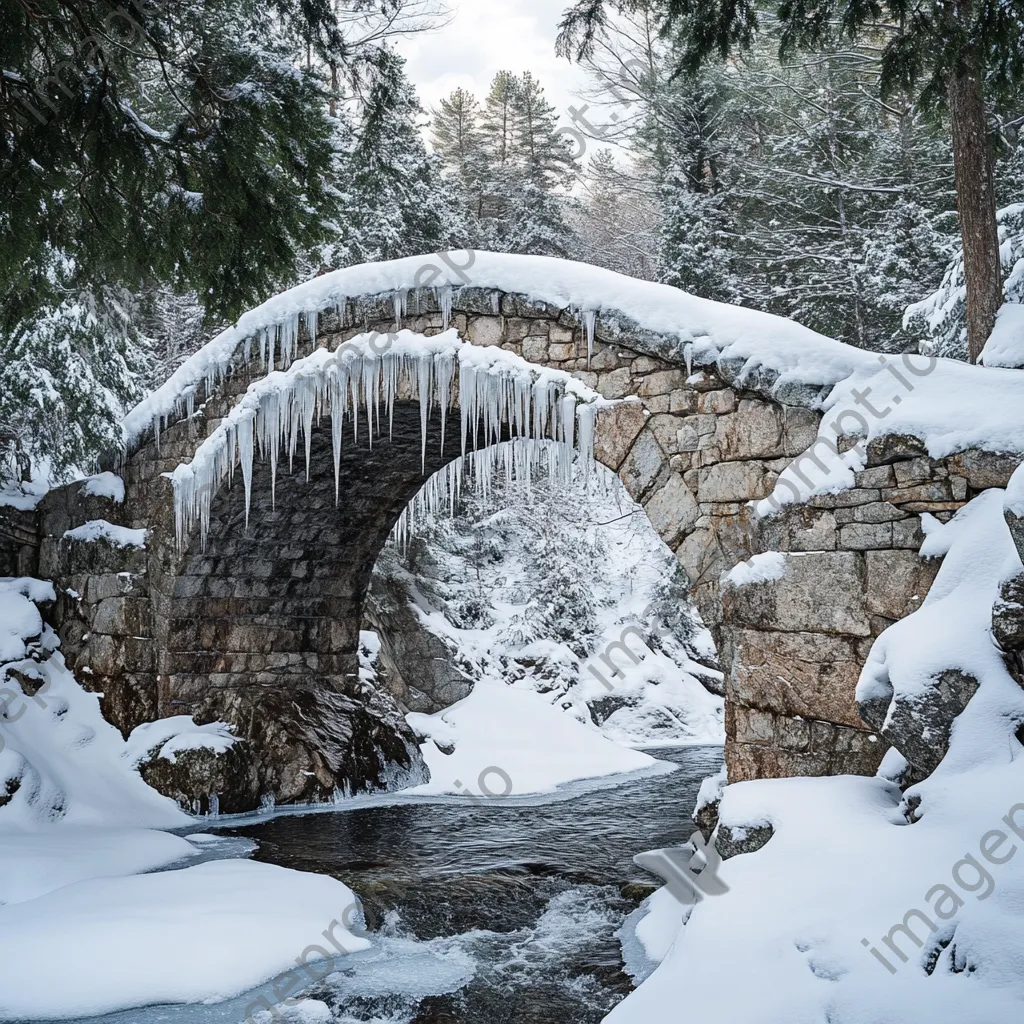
<point x="486" y="912"/>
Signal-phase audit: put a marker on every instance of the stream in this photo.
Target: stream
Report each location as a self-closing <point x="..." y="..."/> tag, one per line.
<point x="480" y="912"/>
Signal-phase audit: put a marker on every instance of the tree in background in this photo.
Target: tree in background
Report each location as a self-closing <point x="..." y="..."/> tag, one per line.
<point x="954" y="56"/>
<point x="509" y="165"/>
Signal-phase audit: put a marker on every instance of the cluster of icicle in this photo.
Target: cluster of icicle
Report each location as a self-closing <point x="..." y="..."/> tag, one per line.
<point x="497" y="392"/>
<point x="518" y="462"/>
<point x="278" y="343"/>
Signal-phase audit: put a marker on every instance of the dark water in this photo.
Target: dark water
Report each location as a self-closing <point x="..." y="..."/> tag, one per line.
<point x="488" y="912"/>
<point x="524" y="898"/>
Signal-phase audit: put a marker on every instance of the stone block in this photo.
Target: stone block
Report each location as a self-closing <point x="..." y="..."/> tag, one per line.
<point x="754" y="431"/>
<point x="643" y="466"/>
<point x="799" y="528"/>
<point x="985" y="469"/>
<point x="820" y="592"/>
<point x="718" y="402"/>
<point x="733" y="481"/>
<point x="913" y="471"/>
<point x="877" y="476"/>
<point x="535" y="350"/>
<point x="672" y="509"/>
<point x="897" y="582"/>
<point x="662" y="382"/>
<point x="683" y="401"/>
<point x="561" y="352"/>
<point x="616" y="430"/>
<point x="800" y="429"/>
<point x="810" y="675"/>
<point x="934" y="490"/>
<point x="865" y="536"/>
<point x="615" y="384"/>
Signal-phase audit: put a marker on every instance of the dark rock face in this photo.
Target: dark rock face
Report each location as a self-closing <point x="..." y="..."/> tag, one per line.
<point x="731" y="842"/>
<point x="920" y="728"/>
<point x="418" y="667"/>
<point x="19" y="542"/>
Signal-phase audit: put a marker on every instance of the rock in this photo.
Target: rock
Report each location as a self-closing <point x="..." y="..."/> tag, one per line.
<point x="419" y="668"/>
<point x="643" y="466"/>
<point x="754" y="431"/>
<point x="985" y="469"/>
<point x="733" y="481"/>
<point x="672" y="509"/>
<point x="897" y="582"/>
<point x="919" y="727"/>
<point x="733" y="840"/>
<point x="617" y="428"/>
<point x="889" y="448"/>
<point x="203" y="780"/>
<point x="820" y="592"/>
<point x="810" y="675"/>
<point x="1008" y="625"/>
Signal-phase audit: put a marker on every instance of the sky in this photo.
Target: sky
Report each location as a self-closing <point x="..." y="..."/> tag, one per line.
<point x="487" y="36"/>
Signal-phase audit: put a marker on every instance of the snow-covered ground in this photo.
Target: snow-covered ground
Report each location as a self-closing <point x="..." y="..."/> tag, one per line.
<point x="82" y="848"/>
<point x="868" y="905"/>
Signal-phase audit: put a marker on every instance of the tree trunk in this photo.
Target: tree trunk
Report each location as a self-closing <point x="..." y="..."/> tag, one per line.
<point x="976" y="205"/>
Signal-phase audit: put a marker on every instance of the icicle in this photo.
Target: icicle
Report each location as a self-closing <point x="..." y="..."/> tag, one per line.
<point x="156" y="434"/>
<point x="589" y="322"/>
<point x="495" y="302"/>
<point x="445" y="302"/>
<point x="424" y="365"/>
<point x="245" y="452"/>
<point x="587" y="414"/>
<point x="311" y="317"/>
<point x="688" y="357"/>
<point x="399" y="298"/>
<point x="567" y="416"/>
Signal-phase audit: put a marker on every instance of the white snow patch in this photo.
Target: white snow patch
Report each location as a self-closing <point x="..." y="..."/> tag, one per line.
<point x="763" y="568"/>
<point x="174" y="735"/>
<point x="105" y="485"/>
<point x="100" y="529"/>
<point x="200" y="934"/>
<point x="509" y="742"/>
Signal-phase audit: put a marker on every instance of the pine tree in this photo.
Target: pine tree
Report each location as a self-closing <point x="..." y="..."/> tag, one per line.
<point x="394" y="200"/>
<point x="543" y="152"/>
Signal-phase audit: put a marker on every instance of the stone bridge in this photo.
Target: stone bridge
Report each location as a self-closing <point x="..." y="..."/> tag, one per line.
<point x="260" y="626"/>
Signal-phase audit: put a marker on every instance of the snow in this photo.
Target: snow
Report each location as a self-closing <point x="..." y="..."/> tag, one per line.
<point x="105" y="485"/>
<point x="572" y="613"/>
<point x="171" y="736"/>
<point x="713" y="329"/>
<point x="100" y="529"/>
<point x="22" y="496"/>
<point x="951" y="406"/>
<point x="795" y="937"/>
<point x="1005" y="345"/>
<point x="509" y="742"/>
<point x="495" y="387"/>
<point x="763" y="568"/>
<point x="66" y="762"/>
<point x="35" y="861"/>
<point x="199" y="934"/>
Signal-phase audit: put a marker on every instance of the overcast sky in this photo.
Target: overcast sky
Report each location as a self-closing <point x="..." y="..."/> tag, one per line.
<point x="487" y="36"/>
